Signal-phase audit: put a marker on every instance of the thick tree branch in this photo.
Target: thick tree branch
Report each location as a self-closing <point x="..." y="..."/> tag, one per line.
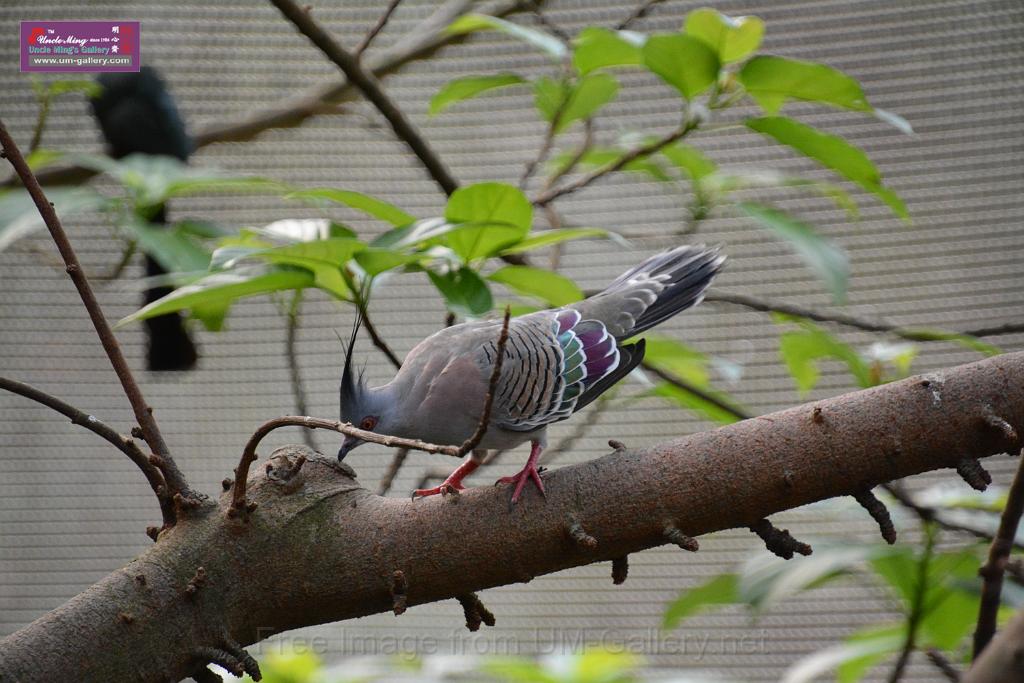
<point x="998" y="555"/>
<point x="173" y="477"/>
<point x="727" y="478"/>
<point x="371" y="89"/>
<point x="120" y="442"/>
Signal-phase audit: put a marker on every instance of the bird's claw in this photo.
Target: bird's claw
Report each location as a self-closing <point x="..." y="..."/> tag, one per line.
<point x="528" y="473"/>
<point x="445" y="489"/>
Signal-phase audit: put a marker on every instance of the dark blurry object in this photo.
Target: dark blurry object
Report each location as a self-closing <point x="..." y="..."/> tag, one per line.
<point x="137" y="114"/>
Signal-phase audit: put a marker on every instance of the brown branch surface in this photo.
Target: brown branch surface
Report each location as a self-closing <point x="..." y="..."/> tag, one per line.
<point x="1003" y="660"/>
<point x="175" y="480"/>
<point x="371" y="88"/>
<point x="727" y="478"/>
<point x="998" y="555"/>
<point x="101" y="429"/>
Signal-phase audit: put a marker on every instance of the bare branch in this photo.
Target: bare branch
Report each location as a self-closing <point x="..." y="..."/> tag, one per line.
<point x="371" y="88"/>
<point x="679" y="383"/>
<point x="598" y="173"/>
<point x="492" y="389"/>
<point x="998" y="555"/>
<point x="639" y="13"/>
<point x="397" y="460"/>
<point x="377" y="28"/>
<point x="173" y="477"/>
<point x="378" y="341"/>
<point x="929" y="514"/>
<point x="120" y="442"/>
<point x="907" y="333"/>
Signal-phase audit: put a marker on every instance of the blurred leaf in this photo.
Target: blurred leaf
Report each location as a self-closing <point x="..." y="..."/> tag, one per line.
<point x="292" y="667"/>
<point x="678" y="359"/>
<point x="223" y="288"/>
<point x="772" y="80"/>
<point x="468" y="87"/>
<point x="324" y="258"/>
<point x="581" y="99"/>
<point x="292" y="230"/>
<point x="720" y="590"/>
<point x="152" y="180"/>
<point x="172" y="247"/>
<point x="64" y="86"/>
<point x="726" y="182"/>
<point x="498" y="215"/>
<point x="822" y="256"/>
<point x="852" y="658"/>
<point x="598" y="157"/>
<point x="546" y="238"/>
<point x="389" y="213"/>
<point x="598" y="48"/>
<point x="894" y="120"/>
<point x="517" y="670"/>
<point x="700" y="405"/>
<point x="555" y="289"/>
<point x="40" y="158"/>
<point x="19" y="216"/>
<point x="545" y="42"/>
<point x="375" y="261"/>
<point x="684" y="62"/>
<point x="689" y="160"/>
<point x="732" y="38"/>
<point x="965" y="340"/>
<point x="465" y="293"/>
<point x="801" y="351"/>
<point x="832" y="152"/>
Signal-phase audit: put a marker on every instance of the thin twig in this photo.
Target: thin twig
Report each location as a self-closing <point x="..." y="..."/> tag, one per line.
<point x="545" y="22"/>
<point x="679" y="383"/>
<point x="998" y="555"/>
<point x="639" y="13"/>
<point x="377" y="28"/>
<point x="908" y="333"/>
<point x="492" y="388"/>
<point x="378" y="341"/>
<point x="945" y="667"/>
<point x="389" y="476"/>
<point x="121" y="443"/>
<point x="175" y="481"/>
<point x="298" y="390"/>
<point x="371" y="88"/>
<point x="577" y="157"/>
<point x="598" y="173"/>
<point x="917" y="606"/>
<point x="249" y="454"/>
<point x="37" y="131"/>
<point x="929" y="514"/>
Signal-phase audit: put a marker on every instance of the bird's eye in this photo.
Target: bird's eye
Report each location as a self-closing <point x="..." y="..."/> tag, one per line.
<point x="368" y="423"/>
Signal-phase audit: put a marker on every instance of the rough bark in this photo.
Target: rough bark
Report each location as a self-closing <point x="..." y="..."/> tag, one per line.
<point x="321" y="548"/>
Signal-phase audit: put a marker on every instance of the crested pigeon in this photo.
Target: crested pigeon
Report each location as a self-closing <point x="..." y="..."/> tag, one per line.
<point x="555" y="362"/>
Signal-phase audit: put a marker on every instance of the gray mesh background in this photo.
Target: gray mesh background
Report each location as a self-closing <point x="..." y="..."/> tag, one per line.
<point x="72" y="510"/>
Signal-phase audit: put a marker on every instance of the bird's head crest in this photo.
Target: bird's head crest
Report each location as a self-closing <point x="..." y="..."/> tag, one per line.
<point x="353" y="385"/>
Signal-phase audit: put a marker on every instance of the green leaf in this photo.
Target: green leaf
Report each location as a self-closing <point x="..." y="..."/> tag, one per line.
<point x="545" y="42"/>
<point x="721" y="590"/>
<point x="598" y="157"/>
<point x="547" y="238"/>
<point x="581" y="100"/>
<point x="772" y="80"/>
<point x="497" y="216"/>
<point x="222" y="289"/>
<point x="468" y="87"/>
<point x="555" y="289"/>
<point x="965" y="340"/>
<point x="699" y="404"/>
<point x="64" y="86"/>
<point x="19" y="216"/>
<point x="599" y="48"/>
<point x="741" y="180"/>
<point x="678" y="359"/>
<point x="464" y="292"/>
<point x="684" y="62"/>
<point x="802" y="349"/>
<point x="172" y="247"/>
<point x="822" y="256"/>
<point x="832" y="152"/>
<point x="689" y="160"/>
<point x="325" y="258"/>
<point x="855" y="656"/>
<point x="732" y="38"/>
<point x="378" y="208"/>
<point x="375" y="261"/>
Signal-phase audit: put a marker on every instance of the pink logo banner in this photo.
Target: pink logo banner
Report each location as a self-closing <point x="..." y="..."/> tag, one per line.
<point x="80" y="46"/>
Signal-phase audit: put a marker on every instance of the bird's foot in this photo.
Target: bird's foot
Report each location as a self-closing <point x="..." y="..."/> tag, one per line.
<point x="447" y="488"/>
<point x="528" y="473"/>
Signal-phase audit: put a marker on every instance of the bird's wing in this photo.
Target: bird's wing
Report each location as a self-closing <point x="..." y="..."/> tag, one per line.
<point x="553" y="360"/>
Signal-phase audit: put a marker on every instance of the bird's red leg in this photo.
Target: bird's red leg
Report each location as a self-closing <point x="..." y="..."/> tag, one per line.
<point x="453" y="484"/>
<point x="528" y="473"/>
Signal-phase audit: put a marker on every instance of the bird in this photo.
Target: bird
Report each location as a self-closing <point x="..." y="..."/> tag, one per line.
<point x="137" y="115"/>
<point x="555" y="362"/>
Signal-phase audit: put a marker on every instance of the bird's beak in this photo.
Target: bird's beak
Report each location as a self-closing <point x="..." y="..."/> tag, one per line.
<point x="347" y="445"/>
